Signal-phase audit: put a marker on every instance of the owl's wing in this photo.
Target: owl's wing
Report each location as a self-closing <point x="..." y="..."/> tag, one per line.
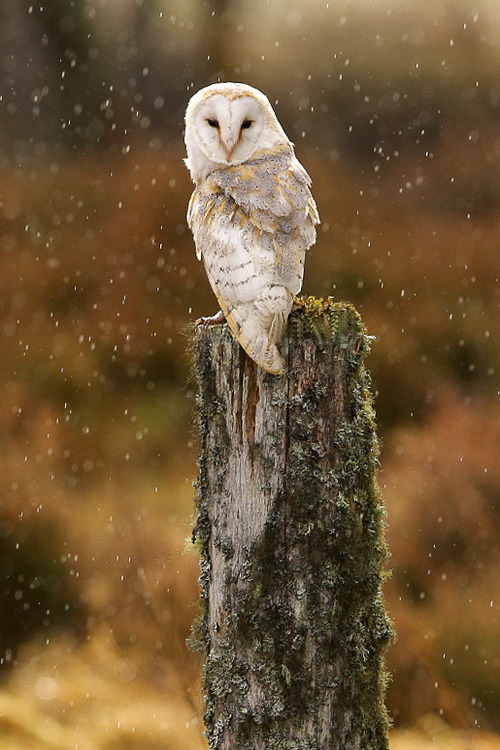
<point x="240" y="264"/>
<point x="252" y="224"/>
<point x="273" y="190"/>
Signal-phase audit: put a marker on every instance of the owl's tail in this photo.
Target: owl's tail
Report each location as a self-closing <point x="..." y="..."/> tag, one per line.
<point x="259" y="327"/>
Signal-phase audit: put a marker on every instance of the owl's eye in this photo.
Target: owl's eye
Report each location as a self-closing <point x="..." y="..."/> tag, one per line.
<point x="213" y="123"/>
<point x="246" y="124"/>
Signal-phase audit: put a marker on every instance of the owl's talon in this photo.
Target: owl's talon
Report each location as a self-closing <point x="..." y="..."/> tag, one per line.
<point x="211" y="320"/>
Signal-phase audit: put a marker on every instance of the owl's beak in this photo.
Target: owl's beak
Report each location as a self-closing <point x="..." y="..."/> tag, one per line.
<point x="228" y="149"/>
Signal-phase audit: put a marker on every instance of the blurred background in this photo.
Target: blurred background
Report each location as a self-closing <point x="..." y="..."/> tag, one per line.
<point x="394" y="108"/>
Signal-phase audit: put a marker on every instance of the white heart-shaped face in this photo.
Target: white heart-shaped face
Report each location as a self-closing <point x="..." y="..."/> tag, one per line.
<point x="228" y="130"/>
<point x="226" y="124"/>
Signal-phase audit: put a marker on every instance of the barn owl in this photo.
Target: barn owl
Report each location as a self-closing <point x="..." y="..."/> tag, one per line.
<point x="252" y="214"/>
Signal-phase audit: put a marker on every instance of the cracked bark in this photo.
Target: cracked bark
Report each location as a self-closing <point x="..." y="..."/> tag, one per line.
<point x="290" y="529"/>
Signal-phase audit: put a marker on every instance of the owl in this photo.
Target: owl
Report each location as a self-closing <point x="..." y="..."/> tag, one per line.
<point x="252" y="214"/>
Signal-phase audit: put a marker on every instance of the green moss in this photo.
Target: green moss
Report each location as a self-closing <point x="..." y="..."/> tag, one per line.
<point x="308" y="624"/>
<point x="328" y="322"/>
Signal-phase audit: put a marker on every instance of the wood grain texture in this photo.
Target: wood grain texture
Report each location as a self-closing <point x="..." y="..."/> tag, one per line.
<point x="290" y="529"/>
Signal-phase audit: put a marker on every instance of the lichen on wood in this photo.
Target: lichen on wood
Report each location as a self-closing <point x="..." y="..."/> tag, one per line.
<point x="290" y="525"/>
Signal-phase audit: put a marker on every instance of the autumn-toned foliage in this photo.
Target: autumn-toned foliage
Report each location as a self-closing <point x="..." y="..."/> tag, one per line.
<point x="99" y="283"/>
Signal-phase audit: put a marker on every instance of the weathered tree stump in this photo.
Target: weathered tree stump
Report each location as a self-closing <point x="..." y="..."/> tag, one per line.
<point x="290" y="530"/>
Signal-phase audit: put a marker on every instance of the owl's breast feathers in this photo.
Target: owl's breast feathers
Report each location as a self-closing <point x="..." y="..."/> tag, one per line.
<point x="269" y="194"/>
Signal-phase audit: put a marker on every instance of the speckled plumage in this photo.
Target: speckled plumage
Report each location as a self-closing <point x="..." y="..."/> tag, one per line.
<point x="252" y="214"/>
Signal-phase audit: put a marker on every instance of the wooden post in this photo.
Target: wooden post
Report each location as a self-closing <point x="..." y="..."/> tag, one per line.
<point x="290" y="530"/>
